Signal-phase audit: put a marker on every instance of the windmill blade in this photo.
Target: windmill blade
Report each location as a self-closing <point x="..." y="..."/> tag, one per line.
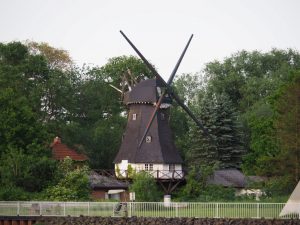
<point x="141" y="56"/>
<point x="134" y="82"/>
<point x="127" y="81"/>
<point x="169" y="89"/>
<point x="117" y="89"/>
<point x="170" y="80"/>
<point x="189" y="112"/>
<point x="179" y="61"/>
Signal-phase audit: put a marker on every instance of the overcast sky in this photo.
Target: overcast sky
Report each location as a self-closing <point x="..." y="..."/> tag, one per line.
<point x="89" y="29"/>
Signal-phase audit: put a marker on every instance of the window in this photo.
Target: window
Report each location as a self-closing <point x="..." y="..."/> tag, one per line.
<point x="171" y="167"/>
<point x="162" y="116"/>
<point x="148" y="167"/>
<point x="148" y="139"/>
<point x="151" y="167"/>
<point x="134" y="116"/>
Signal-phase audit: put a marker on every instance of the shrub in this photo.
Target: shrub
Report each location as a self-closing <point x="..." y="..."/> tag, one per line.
<point x="12" y="193"/>
<point x="145" y="188"/>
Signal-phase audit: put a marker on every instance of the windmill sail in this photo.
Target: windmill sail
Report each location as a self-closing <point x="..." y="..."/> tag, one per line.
<point x="293" y="204"/>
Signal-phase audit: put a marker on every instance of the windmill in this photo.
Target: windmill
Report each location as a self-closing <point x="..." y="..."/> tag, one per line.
<point x="147" y="143"/>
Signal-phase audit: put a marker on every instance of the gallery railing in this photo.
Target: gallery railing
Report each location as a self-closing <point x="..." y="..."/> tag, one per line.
<point x="146" y="209"/>
<point x="157" y="174"/>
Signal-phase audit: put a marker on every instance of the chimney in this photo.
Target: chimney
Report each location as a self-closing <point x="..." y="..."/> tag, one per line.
<point x="56" y="140"/>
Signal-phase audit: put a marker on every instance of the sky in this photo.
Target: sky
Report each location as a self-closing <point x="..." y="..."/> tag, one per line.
<point x="89" y="29"/>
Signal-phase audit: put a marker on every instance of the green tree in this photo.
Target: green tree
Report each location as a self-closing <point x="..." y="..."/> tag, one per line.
<point x="220" y="119"/>
<point x="23" y="135"/>
<point x="188" y="87"/>
<point x="56" y="58"/>
<point x="288" y="130"/>
<point x="247" y="77"/>
<point x="141" y="182"/>
<point x="263" y="141"/>
<point x="73" y="183"/>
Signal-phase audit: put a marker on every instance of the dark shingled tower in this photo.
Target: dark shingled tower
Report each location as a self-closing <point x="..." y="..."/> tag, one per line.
<point x="158" y="147"/>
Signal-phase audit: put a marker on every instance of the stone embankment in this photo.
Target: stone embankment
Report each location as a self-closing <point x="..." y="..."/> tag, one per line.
<point x="160" y="221"/>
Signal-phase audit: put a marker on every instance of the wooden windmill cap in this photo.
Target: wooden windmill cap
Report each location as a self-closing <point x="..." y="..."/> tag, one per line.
<point x="145" y="92"/>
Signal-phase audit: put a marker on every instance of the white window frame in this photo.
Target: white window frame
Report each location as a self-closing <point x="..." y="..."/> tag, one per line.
<point x="148" y="167"/>
<point x="148" y="139"/>
<point x="151" y="167"/>
<point x="134" y="116"/>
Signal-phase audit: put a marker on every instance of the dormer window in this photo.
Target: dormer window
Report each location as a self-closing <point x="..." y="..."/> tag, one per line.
<point x="134" y="116"/>
<point x="148" y="139"/>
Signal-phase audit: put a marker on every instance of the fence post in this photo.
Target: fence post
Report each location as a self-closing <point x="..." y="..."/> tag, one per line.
<point x="88" y="208"/>
<point x="18" y="209"/>
<point x="257" y="210"/>
<point x="40" y="208"/>
<point x="217" y="210"/>
<point x="129" y="209"/>
<point x="64" y="208"/>
<point x="176" y="208"/>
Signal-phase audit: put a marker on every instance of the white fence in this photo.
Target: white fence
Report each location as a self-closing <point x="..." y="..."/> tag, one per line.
<point x="145" y="209"/>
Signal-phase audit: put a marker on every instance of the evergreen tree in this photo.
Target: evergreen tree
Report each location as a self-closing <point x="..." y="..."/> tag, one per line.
<point x="220" y="119"/>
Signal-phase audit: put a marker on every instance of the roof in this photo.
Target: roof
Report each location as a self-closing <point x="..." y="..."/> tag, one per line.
<point x="161" y="149"/>
<point x="228" y="178"/>
<point x="146" y="91"/>
<point x="61" y="151"/>
<point x="99" y="181"/>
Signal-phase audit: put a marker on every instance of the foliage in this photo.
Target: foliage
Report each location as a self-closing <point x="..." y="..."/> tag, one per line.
<point x="141" y="181"/>
<point x="254" y="82"/>
<point x="118" y="171"/>
<point x="13" y="193"/>
<point x="217" y="193"/>
<point x="263" y="141"/>
<point x="247" y="77"/>
<point x="198" y="189"/>
<point x="24" y="154"/>
<point x="56" y="58"/>
<point x="196" y="181"/>
<point x="73" y="184"/>
<point x="288" y="130"/>
<point x="220" y="119"/>
<point x="130" y="171"/>
<point x="279" y="186"/>
<point x="274" y="141"/>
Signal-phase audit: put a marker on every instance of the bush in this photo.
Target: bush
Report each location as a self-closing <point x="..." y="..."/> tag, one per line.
<point x="145" y="188"/>
<point x="73" y="185"/>
<point x="279" y="186"/>
<point x="12" y="193"/>
<point x="217" y="193"/>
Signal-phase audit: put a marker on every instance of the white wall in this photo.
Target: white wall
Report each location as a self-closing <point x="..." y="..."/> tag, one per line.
<point x="160" y="171"/>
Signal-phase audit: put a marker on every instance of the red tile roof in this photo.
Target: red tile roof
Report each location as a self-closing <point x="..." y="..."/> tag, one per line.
<point x="61" y="151"/>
